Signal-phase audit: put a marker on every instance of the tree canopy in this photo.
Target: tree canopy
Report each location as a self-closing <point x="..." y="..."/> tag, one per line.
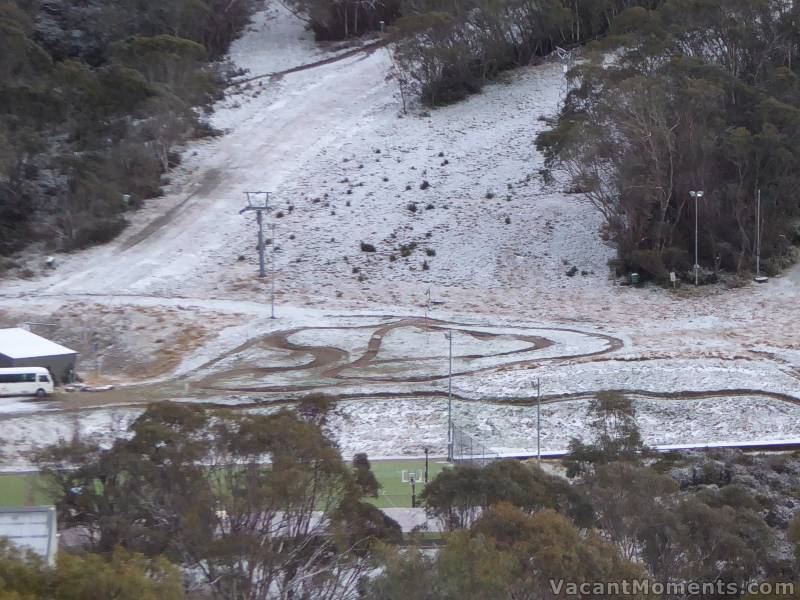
<point x="445" y="51"/>
<point x="122" y="576"/>
<point x="94" y="96"/>
<point x="700" y="96"/>
<point x="250" y="502"/>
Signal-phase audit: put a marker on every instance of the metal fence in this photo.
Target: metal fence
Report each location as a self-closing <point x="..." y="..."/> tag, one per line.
<point x="469" y="450"/>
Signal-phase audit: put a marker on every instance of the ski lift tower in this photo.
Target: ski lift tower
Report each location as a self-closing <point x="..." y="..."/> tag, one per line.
<point x="253" y="205"/>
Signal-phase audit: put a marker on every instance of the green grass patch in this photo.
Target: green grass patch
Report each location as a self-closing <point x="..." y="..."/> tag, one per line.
<point x="26" y="489"/>
<point x="396" y="493"/>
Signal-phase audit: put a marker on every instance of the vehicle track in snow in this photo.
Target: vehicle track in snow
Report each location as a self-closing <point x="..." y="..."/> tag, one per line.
<point x="333" y="367"/>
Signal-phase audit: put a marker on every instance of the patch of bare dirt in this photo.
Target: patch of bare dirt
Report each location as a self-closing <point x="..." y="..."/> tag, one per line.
<point x="118" y="343"/>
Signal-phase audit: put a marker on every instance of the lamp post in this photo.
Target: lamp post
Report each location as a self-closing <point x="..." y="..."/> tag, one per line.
<point x="696" y="195"/>
<point x="538" y="421"/>
<point x="427" y="307"/>
<point x="272" y="292"/>
<point x="449" y="336"/>
<point x="759" y="278"/>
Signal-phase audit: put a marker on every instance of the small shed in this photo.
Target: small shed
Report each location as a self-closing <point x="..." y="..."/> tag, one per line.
<point x="21" y="348"/>
<point x="31" y="528"/>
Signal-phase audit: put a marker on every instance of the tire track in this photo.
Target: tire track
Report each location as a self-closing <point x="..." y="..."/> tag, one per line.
<point x="633" y="394"/>
<point x="331" y="362"/>
<point x="366" y="49"/>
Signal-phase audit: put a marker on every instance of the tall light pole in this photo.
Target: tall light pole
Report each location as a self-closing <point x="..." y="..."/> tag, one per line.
<point x="274" y="271"/>
<point x="427" y="306"/>
<point x="759" y="278"/>
<point x="538" y="421"/>
<point x="696" y="195"/>
<point x="449" y="336"/>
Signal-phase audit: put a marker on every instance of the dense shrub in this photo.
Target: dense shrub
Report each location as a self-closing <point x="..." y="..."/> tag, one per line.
<point x="341" y="19"/>
<point x="94" y="97"/>
<point x="701" y="96"/>
<point x="446" y="51"/>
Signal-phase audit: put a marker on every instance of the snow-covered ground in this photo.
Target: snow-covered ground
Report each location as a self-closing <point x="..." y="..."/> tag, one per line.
<point x="414" y="342"/>
<point x="274" y="43"/>
<point x="454" y="202"/>
<point x="343" y="168"/>
<point x="403" y="427"/>
<point x="655" y="375"/>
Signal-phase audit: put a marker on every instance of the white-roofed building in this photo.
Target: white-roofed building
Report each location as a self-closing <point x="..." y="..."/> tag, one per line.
<point x="31" y="528"/>
<point x="21" y="348"/>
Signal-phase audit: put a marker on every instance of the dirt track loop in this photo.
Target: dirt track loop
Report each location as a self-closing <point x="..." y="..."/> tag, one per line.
<point x="334" y="367"/>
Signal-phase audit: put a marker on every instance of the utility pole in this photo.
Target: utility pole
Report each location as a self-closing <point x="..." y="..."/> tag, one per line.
<point x="758" y="234"/>
<point x="449" y="336"/>
<point x="696" y="195"/>
<point x="96" y="356"/>
<point x="759" y="278"/>
<point x="538" y="421"/>
<point x="427" y="307"/>
<point x="274" y="272"/>
<point x="426" y="464"/>
<point x="258" y="209"/>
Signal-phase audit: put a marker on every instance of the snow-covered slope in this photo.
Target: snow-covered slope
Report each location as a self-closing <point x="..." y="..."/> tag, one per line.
<point x="344" y="167"/>
<point x="454" y="201"/>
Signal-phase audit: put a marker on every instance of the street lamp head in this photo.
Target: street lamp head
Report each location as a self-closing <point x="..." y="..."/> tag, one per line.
<point x="698" y="194"/>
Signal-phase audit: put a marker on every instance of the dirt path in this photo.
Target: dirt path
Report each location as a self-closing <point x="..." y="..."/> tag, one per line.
<point x="122" y="399"/>
<point x="184" y="247"/>
<point x="365" y="49"/>
<point x="329" y="364"/>
<point x="208" y="183"/>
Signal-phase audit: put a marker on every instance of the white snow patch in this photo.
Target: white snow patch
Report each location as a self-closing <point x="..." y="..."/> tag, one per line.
<point x="402" y="427"/>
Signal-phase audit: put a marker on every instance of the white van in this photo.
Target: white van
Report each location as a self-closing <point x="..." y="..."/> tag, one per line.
<point x="25" y="381"/>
